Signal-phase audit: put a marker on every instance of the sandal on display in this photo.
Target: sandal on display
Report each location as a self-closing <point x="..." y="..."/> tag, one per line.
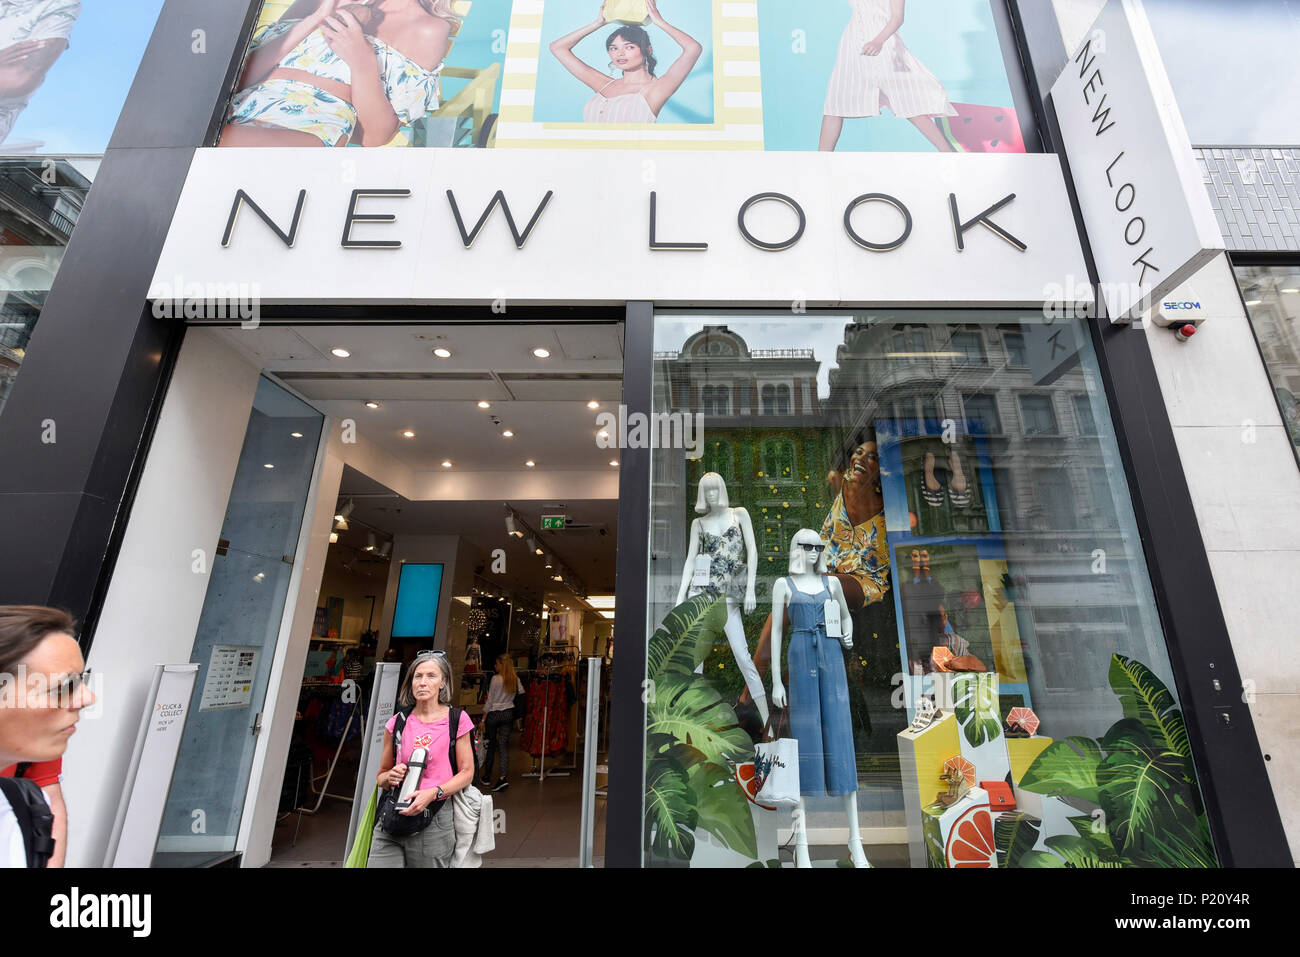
<point x="930" y="486"/>
<point x="958" y="488"/>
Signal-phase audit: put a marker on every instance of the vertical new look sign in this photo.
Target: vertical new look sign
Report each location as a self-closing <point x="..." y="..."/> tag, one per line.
<point x="1143" y="201"/>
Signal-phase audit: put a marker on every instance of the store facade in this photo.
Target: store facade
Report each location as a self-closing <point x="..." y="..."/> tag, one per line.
<point x="890" y="356"/>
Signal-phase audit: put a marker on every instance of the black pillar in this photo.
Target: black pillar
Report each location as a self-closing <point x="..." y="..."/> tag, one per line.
<point x="75" y="430"/>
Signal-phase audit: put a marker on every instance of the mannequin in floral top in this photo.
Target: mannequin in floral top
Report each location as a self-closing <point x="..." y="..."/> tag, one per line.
<point x="723" y="561"/>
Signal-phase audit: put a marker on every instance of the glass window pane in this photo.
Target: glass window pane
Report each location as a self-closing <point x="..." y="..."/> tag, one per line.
<point x="1272" y="295"/>
<point x="974" y="549"/>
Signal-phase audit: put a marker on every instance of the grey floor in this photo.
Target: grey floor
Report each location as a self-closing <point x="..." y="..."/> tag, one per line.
<point x="539" y="823"/>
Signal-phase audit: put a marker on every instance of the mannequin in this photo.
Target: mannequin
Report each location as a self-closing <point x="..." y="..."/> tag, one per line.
<point x="715" y="554"/>
<point x="819" y="690"/>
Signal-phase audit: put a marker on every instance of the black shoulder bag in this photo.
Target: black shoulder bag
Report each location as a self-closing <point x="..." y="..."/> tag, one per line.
<point x="394" y="823"/>
<point x="35" y="819"/>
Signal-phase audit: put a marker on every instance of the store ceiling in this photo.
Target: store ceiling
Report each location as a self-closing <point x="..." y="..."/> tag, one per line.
<point x="544" y="402"/>
<point x="585" y="551"/>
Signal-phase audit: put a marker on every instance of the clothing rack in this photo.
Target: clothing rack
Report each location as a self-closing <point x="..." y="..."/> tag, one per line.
<point x="323" y="793"/>
<point x="552" y="673"/>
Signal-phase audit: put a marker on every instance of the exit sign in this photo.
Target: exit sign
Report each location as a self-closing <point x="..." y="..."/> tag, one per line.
<point x="553" y="522"/>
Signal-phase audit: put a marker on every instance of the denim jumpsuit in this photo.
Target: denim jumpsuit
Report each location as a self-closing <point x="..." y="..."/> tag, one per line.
<point x="819" y="699"/>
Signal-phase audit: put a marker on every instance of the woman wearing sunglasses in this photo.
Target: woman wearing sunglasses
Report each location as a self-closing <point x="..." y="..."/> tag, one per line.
<point x="42" y="692"/>
<point x="425" y="700"/>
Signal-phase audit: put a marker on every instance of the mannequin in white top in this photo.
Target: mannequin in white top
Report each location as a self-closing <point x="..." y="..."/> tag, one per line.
<point x="722" y="550"/>
<point x="820" y="720"/>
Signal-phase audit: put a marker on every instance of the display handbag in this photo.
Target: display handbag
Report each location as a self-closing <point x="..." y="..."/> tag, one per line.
<point x="776" y="763"/>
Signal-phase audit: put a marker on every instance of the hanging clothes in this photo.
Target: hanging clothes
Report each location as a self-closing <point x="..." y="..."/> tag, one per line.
<point x="546" y="702"/>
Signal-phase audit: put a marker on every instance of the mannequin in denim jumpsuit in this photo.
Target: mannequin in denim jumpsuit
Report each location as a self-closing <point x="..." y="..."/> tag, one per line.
<point x="819" y="692"/>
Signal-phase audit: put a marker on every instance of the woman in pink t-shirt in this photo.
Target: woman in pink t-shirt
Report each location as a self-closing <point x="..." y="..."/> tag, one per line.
<point x="426" y="695"/>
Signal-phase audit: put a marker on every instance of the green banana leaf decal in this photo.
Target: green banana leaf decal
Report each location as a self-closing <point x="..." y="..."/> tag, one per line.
<point x="670" y="813"/>
<point x="1078" y="852"/>
<point x="1065" y="768"/>
<point x="1140" y="786"/>
<point x="1092" y="829"/>
<point x="690" y="709"/>
<point x="723" y="809"/>
<point x="683" y="640"/>
<point x="1040" y="859"/>
<point x="1144" y="696"/>
<point x="1014" y="835"/>
<point x="976" y="707"/>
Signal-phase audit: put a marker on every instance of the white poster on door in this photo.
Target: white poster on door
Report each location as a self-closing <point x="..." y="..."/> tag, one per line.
<point x="229" y="682"/>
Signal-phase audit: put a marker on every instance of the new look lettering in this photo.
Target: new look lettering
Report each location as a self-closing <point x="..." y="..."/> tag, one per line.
<point x="378" y="219"/>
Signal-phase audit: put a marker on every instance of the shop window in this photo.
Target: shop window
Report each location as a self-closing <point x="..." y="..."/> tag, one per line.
<point x="1015" y="343"/>
<point x="1037" y="415"/>
<point x="776" y="400"/>
<point x="714" y="400"/>
<point x="778" y="460"/>
<point x="1083" y="415"/>
<point x="1272" y="295"/>
<point x="969" y="547"/>
<point x="969" y="348"/>
<point x="982" y="414"/>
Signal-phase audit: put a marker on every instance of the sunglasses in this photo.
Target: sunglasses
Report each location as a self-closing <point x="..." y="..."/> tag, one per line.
<point x="62" y="693"/>
<point x="818" y="549"/>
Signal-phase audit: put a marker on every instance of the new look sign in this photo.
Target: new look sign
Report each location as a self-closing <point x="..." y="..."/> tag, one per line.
<point x="518" y="227"/>
<point x="1145" y="207"/>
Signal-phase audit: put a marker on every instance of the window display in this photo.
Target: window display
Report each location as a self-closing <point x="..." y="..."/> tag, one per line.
<point x="1272" y="295"/>
<point x="961" y="665"/>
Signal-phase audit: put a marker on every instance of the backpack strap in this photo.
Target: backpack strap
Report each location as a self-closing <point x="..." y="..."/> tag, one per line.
<point x="453" y="725"/>
<point x="398" y="725"/>
<point x="20" y="771"/>
<point x="35" y="820"/>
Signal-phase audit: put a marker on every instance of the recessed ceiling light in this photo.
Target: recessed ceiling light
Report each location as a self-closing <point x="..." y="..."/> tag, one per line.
<point x="541" y="353"/>
<point x="296" y="435"/>
<point x="442" y="353"/>
<point x="614" y="463"/>
<point x="268" y="465"/>
<point x="341" y="353"/>
<point x="409" y="434"/>
<point x="593" y="404"/>
<point x="508" y="434"/>
<point x="446" y="464"/>
<point x="485" y="405"/>
<point x="334" y="538"/>
<point x="372" y="404"/>
<point x="531" y="464"/>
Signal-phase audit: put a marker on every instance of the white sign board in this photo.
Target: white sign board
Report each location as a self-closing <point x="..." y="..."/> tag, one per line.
<point x="383" y="701"/>
<point x="380" y="226"/>
<point x="1144" y="204"/>
<point x="149" y="777"/>
<point x="229" y="681"/>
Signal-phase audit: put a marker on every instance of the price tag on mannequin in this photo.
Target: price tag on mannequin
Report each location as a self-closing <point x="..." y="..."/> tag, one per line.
<point x="833" y="627"/>
<point x="703" y="567"/>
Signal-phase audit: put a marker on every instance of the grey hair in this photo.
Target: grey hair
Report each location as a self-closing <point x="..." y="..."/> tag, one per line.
<point x="806" y="536"/>
<point x="407" y="696"/>
<point x="714" y="478"/>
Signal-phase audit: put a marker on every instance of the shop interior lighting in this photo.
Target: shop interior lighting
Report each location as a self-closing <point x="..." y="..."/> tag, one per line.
<point x="372" y="404"/>
<point x="446" y="463"/>
<point x="442" y="353"/>
<point x="408" y="434"/>
<point x="485" y="405"/>
<point x="341" y="353"/>
<point x="296" y="435"/>
<point x="541" y="353"/>
<point x="507" y="434"/>
<point x="531" y="464"/>
<point x="593" y="404"/>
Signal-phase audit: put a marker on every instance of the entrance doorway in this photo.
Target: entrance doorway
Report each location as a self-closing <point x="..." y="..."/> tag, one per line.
<point x="475" y="511"/>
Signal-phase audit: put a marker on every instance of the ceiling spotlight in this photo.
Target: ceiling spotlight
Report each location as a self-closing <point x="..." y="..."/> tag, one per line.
<point x="602" y="434"/>
<point x="542" y="353"/>
<point x="550" y="562"/>
<point x="341" y="353"/>
<point x="446" y="463"/>
<point x="372" y="404"/>
<point x="334" y="538"/>
<point x="614" y="463"/>
<point x="532" y="543"/>
<point x="539" y="550"/>
<point x="268" y="465"/>
<point x="370" y="541"/>
<point x="409" y="434"/>
<point x="508" y="434"/>
<point x="385" y="549"/>
<point x="593" y="404"/>
<point x="512" y="527"/>
<point x="442" y="353"/>
<point x="345" y="512"/>
<point x="485" y="405"/>
<point x="531" y="464"/>
<point x="296" y="435"/>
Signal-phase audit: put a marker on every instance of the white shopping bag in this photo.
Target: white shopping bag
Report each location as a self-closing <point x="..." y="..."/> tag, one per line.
<point x="776" y="772"/>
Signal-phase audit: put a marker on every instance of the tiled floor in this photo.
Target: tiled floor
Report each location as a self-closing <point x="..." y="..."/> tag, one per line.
<point x="538" y="825"/>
